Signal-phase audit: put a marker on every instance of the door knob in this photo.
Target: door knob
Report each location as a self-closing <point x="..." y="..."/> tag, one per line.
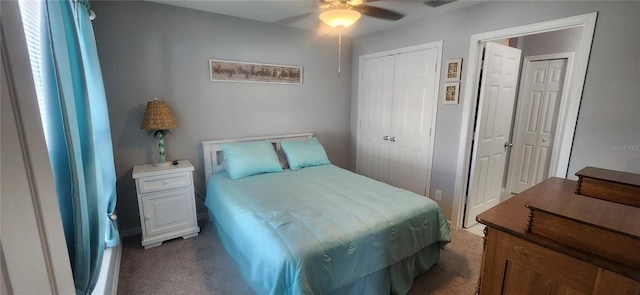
<point x="392" y="139"/>
<point x="508" y="145"/>
<point x="385" y="137"/>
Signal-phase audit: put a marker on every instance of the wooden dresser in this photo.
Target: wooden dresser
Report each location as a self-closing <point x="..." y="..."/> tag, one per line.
<point x="549" y="240"/>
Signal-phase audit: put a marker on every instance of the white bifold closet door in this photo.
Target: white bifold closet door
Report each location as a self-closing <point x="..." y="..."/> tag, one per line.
<point x="397" y="104"/>
<point x="536" y="123"/>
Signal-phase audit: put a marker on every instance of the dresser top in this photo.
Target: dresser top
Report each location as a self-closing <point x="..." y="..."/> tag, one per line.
<point x="622" y="177"/>
<point x="147" y="170"/>
<point x="611" y="216"/>
<point x="512" y="215"/>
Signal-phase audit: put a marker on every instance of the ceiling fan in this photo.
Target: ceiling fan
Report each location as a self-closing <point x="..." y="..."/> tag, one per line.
<point x="362" y="8"/>
<point x="343" y="13"/>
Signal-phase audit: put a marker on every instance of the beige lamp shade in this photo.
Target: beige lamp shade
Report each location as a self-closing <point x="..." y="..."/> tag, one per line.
<point x="158" y="116"/>
<point x="340" y="17"/>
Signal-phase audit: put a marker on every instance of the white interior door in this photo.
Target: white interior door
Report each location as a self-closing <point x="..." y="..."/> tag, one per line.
<point x="413" y="110"/>
<point x="537" y="116"/>
<point x="376" y="93"/>
<point x="493" y="126"/>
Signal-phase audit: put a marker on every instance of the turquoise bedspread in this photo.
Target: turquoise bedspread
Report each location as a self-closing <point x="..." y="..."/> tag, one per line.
<point x="318" y="229"/>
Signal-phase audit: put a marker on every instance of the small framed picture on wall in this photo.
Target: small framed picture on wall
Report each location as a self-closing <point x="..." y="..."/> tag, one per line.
<point x="451" y="92"/>
<point x="454" y="67"/>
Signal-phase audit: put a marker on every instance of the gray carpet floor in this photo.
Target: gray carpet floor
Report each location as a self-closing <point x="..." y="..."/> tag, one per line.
<point x="202" y="266"/>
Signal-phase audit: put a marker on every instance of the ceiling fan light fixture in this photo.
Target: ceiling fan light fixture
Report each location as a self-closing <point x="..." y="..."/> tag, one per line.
<point x="340" y="17"/>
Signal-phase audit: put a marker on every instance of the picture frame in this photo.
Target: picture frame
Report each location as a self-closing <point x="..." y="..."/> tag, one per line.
<point x="451" y="93"/>
<point x="453" y="70"/>
<point x="236" y="71"/>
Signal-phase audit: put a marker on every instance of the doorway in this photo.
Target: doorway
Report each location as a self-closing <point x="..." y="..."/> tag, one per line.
<point x="506" y="163"/>
<point x="496" y="100"/>
<point x="512" y="153"/>
<point x="569" y="109"/>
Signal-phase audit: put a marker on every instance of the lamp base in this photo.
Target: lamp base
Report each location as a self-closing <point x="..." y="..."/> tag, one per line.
<point x="162" y="164"/>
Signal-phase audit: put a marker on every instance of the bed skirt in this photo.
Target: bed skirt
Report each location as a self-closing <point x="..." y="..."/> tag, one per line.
<point x="394" y="279"/>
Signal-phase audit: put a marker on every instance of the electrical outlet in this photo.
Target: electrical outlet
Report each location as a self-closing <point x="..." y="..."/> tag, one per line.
<point x="438" y="196"/>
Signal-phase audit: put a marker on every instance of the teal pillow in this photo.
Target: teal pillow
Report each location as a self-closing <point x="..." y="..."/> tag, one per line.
<point x="248" y="158"/>
<point x="302" y="154"/>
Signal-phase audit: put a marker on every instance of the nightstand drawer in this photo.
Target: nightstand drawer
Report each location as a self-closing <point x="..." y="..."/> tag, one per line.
<point x="163" y="182"/>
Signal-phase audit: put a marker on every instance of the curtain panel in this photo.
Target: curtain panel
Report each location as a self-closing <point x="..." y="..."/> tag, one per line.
<point x="79" y="137"/>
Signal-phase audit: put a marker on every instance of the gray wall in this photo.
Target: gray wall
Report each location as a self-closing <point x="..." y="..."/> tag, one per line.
<point x="608" y="130"/>
<point x="552" y="42"/>
<point x="152" y="50"/>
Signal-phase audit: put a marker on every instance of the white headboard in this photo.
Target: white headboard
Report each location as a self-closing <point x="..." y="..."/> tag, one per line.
<point x="212" y="153"/>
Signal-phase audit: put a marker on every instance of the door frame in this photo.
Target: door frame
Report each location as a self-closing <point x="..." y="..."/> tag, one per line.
<point x="587" y="22"/>
<point x="436" y="44"/>
<point x="562" y="111"/>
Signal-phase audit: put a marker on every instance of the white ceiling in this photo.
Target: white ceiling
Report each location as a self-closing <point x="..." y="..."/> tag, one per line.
<point x="271" y="11"/>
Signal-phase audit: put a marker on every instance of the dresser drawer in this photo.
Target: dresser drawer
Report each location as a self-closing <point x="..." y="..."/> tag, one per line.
<point x="163" y="182"/>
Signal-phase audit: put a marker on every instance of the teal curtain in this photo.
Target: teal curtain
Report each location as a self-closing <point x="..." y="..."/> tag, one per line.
<point x="79" y="137"/>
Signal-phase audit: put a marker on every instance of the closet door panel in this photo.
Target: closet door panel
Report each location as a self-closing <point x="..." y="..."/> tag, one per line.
<point x="414" y="102"/>
<point x="376" y="94"/>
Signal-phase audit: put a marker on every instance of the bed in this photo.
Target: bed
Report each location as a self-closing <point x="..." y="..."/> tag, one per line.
<point x="319" y="229"/>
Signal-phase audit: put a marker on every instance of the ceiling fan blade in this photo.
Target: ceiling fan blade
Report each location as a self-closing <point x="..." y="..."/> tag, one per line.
<point x="292" y="19"/>
<point x="436" y="3"/>
<point x="378" y="12"/>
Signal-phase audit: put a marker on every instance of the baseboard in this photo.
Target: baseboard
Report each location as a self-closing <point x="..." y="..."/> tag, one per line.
<point x="136" y="231"/>
<point x="203" y="216"/>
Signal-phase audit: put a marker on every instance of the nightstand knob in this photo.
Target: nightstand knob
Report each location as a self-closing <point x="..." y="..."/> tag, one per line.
<point x="147" y="217"/>
<point x="165" y="182"/>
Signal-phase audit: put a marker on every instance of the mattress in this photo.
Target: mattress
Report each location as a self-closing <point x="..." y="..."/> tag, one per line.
<point x="320" y="229"/>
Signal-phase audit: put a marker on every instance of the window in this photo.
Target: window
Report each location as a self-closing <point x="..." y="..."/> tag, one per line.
<point x="31" y="13"/>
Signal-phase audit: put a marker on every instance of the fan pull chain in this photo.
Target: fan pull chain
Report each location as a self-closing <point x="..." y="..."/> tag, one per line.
<point x="339" y="50"/>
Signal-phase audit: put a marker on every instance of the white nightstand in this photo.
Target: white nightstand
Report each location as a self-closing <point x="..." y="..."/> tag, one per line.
<point x="166" y="202"/>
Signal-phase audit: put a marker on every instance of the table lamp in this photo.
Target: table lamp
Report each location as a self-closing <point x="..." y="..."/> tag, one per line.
<point x="158" y="119"/>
